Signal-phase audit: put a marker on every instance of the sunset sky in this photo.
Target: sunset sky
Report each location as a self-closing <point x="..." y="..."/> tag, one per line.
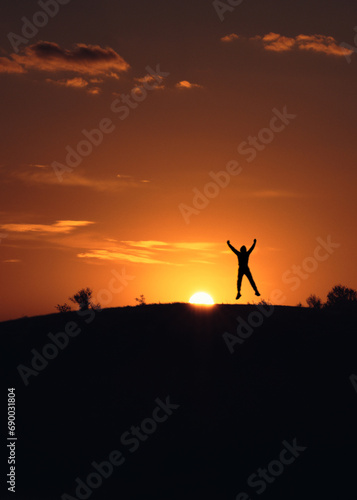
<point x="178" y="92"/>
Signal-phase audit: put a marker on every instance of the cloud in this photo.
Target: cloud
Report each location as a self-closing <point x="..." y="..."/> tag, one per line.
<point x="94" y="91"/>
<point x="113" y="255"/>
<point x="147" y="78"/>
<point x="271" y="193"/>
<point x="82" y="58"/>
<point x="92" y="247"/>
<point x="153" y="81"/>
<point x="162" y="245"/>
<point x="150" y="252"/>
<point x="77" y="82"/>
<point x="184" y="84"/>
<point x="270" y="37"/>
<point x="316" y="43"/>
<point x="45" y="175"/>
<point x="229" y="38"/>
<point x="277" y="42"/>
<point x="131" y="251"/>
<point x="146" y="244"/>
<point x="11" y="261"/>
<point x="9" y="66"/>
<point x="200" y="246"/>
<point x="60" y="226"/>
<point x="321" y="43"/>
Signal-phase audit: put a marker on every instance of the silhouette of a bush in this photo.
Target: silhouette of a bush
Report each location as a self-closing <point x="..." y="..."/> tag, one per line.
<point x="314" y="302"/>
<point x="63" y="308"/>
<point x="83" y="298"/>
<point x="141" y="300"/>
<point x="341" y="297"/>
<point x="264" y="302"/>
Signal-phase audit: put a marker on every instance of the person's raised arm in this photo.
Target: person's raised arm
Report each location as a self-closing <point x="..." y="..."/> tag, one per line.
<point x="232" y="248"/>
<point x="252" y="247"/>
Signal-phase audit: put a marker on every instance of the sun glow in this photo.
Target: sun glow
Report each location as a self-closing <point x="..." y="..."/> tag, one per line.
<point x="201" y="298"/>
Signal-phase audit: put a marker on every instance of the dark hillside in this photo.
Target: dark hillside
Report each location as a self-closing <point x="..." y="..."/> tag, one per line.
<point x="290" y="380"/>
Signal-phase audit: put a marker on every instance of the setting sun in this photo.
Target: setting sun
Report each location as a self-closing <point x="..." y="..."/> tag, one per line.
<point x="201" y="298"/>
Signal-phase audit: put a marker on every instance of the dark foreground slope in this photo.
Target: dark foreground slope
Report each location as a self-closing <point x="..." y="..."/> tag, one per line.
<point x="289" y="382"/>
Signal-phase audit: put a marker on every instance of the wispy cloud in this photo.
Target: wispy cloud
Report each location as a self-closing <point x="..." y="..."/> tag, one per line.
<point x="96" y="80"/>
<point x="9" y="66"/>
<point x="150" y="252"/>
<point x="321" y="43"/>
<point x="229" y="38"/>
<point x="199" y="246"/>
<point x="148" y="244"/>
<point x="45" y="175"/>
<point x="50" y="57"/>
<point x="162" y="245"/>
<point x="60" y="226"/>
<point x="11" y="261"/>
<point x="92" y="247"/>
<point x="184" y="84"/>
<point x="37" y="165"/>
<point x="155" y="83"/>
<point x="77" y="82"/>
<point x="274" y="193"/>
<point x="118" y="256"/>
<point x="279" y="43"/>
<point x="146" y="78"/>
<point x="94" y="91"/>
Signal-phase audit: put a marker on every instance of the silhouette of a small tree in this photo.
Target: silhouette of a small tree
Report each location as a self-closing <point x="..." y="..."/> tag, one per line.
<point x="141" y="300"/>
<point x="63" y="308"/>
<point x="314" y="302"/>
<point x="83" y="298"/>
<point x="341" y="297"/>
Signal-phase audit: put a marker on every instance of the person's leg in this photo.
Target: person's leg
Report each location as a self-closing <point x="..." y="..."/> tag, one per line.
<point x="239" y="283"/>
<point x="251" y="281"/>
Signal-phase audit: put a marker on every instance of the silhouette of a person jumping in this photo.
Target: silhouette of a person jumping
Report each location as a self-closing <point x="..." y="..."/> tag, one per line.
<point x="243" y="269"/>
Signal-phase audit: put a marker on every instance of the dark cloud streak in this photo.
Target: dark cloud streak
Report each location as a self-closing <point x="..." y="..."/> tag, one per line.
<point x="50" y="57"/>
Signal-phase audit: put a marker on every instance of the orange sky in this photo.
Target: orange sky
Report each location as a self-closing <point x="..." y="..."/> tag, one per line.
<point x="128" y="206"/>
